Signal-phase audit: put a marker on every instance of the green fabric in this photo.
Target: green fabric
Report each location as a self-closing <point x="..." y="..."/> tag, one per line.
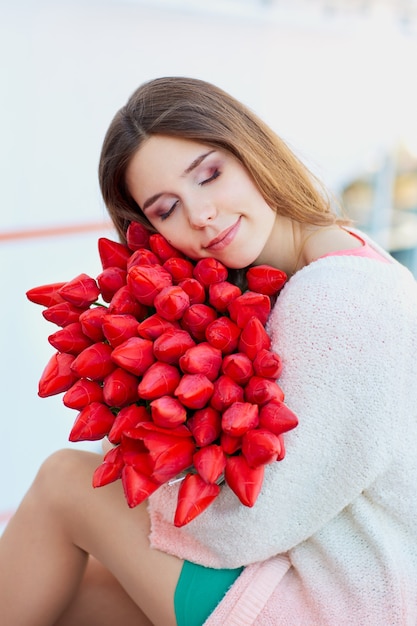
<point x="199" y="590"/>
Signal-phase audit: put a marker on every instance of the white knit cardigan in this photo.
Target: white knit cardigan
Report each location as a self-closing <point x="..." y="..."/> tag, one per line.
<point x="332" y="538"/>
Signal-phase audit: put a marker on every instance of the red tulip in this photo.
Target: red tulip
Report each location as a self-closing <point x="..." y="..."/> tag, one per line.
<point x="194" y="390"/>
<point x="277" y="417"/>
<point x="205" y="425"/>
<point x="110" y="280"/>
<point x="249" y="304"/>
<point x="91" y="322"/>
<point x="265" y="279"/>
<point x="120" y="388"/>
<point x="161" y="379"/>
<point x="226" y="392"/>
<point x="240" y="417"/>
<point x="243" y="480"/>
<point x="253" y="338"/>
<point x="94" y="362"/>
<point x="125" y="303"/>
<point x="135" y="355"/>
<point x="194" y="496"/>
<point x="230" y="444"/>
<point x="170" y="455"/>
<point x="202" y="359"/>
<point x="179" y="268"/>
<point x="137" y="486"/>
<point x="81" y="393"/>
<point x="127" y="418"/>
<point x="110" y="469"/>
<point x="81" y="291"/>
<point x="209" y="271"/>
<point x="222" y="294"/>
<point x="137" y="236"/>
<point x="142" y="257"/>
<point x="210" y="462"/>
<point x="154" y="326"/>
<point x="171" y="345"/>
<point x="168" y="412"/>
<point x="146" y="281"/>
<point x="113" y="253"/>
<point x="223" y="334"/>
<point x="197" y="318"/>
<point x="171" y="302"/>
<point x="46" y="295"/>
<point x="260" y="447"/>
<point x="267" y="364"/>
<point x="160" y="246"/>
<point x="238" y="367"/>
<point x="261" y="390"/>
<point x="57" y="375"/>
<point x="117" y="328"/>
<point x="92" y="423"/>
<point x="63" y="313"/>
<point x="194" y="289"/>
<point x="70" y="339"/>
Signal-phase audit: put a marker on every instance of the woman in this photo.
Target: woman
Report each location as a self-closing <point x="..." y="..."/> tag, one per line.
<point x="332" y="538"/>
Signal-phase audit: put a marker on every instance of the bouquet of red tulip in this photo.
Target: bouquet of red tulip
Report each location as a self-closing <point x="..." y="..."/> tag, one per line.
<point x="171" y="361"/>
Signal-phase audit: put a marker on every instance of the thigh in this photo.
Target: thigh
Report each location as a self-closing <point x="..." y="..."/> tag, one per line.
<point x="100" y="522"/>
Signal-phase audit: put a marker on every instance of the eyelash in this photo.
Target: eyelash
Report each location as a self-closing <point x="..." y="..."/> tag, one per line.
<point x="215" y="175"/>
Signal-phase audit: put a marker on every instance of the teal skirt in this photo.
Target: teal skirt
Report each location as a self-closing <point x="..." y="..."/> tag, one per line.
<point x="199" y="590"/>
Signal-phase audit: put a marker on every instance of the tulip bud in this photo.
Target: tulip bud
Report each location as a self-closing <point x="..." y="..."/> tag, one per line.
<point x="240" y="417"/>
<point x="125" y="303"/>
<point x="137" y="486"/>
<point x="81" y="393"/>
<point x="225" y="393"/>
<point x="160" y="246"/>
<point x="209" y="271"/>
<point x="91" y="322"/>
<point x="161" y="379"/>
<point x="261" y="390"/>
<point x="267" y="364"/>
<point x="171" y="302"/>
<point x="117" y="328"/>
<point x="120" y="388"/>
<point x="63" y="313"/>
<point x="94" y="362"/>
<point x="154" y="326"/>
<point x="265" y="279"/>
<point x="253" y="338"/>
<point x="137" y="236"/>
<point x="210" y="462"/>
<point x="243" y="480"/>
<point x="46" y="295"/>
<point x="179" y="268"/>
<point x="205" y="425"/>
<point x="113" y="253"/>
<point x="110" y="470"/>
<point x="70" y="339"/>
<point x="194" y="289"/>
<point x="127" y="418"/>
<point x="277" y="417"/>
<point x="57" y="376"/>
<point x="142" y="257"/>
<point x="171" y="345"/>
<point x="194" y="390"/>
<point x="197" y="318"/>
<point x="202" y="359"/>
<point x="170" y="455"/>
<point x="92" y="423"/>
<point x="168" y="412"/>
<point x="223" y="334"/>
<point x="194" y="496"/>
<point x="260" y="447"/>
<point x="248" y="305"/>
<point x="146" y="281"/>
<point x="81" y="291"/>
<point x="135" y="355"/>
<point x="230" y="444"/>
<point x="110" y="280"/>
<point x="238" y="367"/>
<point x="222" y="294"/>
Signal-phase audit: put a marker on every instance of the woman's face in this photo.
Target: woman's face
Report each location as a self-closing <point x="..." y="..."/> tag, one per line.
<point x="202" y="200"/>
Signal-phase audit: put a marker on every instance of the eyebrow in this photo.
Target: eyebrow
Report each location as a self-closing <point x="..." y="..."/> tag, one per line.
<point x="189" y="169"/>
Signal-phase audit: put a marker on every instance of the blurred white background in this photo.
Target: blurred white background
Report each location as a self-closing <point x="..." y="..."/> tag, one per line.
<point x="335" y="79"/>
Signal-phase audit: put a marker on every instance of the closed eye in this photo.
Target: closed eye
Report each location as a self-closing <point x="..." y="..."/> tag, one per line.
<point x="164" y="216"/>
<point x="214" y="175"/>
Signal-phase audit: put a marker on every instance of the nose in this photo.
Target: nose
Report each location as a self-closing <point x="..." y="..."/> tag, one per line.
<point x="201" y="214"/>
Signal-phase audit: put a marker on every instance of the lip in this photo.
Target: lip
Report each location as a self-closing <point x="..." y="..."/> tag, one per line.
<point x="225" y="237"/>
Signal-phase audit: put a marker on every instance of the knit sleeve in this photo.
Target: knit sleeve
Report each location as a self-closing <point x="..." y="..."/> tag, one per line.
<point x="345" y="330"/>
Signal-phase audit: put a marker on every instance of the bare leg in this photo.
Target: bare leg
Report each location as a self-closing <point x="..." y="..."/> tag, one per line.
<point x="62" y="519"/>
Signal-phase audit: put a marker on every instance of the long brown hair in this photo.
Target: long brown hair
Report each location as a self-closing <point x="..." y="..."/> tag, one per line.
<point x="197" y="110"/>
